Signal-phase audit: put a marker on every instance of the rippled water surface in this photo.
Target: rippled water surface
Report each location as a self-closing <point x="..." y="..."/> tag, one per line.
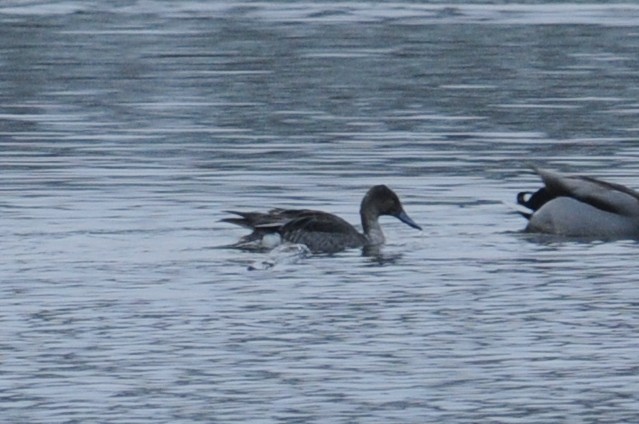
<point x="127" y="128"/>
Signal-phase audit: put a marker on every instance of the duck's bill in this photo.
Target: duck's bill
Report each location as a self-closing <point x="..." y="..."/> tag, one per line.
<point x="403" y="216"/>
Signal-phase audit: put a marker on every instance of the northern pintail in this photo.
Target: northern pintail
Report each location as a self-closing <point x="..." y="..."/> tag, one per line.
<point x="321" y="232"/>
<point x="581" y="206"/>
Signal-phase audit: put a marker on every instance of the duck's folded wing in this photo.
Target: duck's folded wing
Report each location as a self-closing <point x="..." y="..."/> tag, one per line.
<point x="609" y="197"/>
<point x="272" y="219"/>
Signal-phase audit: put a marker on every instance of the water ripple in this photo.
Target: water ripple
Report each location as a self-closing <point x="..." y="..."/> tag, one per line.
<point x="127" y="129"/>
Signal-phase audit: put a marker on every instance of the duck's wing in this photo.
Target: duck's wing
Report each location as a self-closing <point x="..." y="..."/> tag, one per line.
<point x="318" y="221"/>
<point x="274" y="218"/>
<point x="610" y="197"/>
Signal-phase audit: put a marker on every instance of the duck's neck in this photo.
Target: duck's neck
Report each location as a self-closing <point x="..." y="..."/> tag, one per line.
<point x="372" y="229"/>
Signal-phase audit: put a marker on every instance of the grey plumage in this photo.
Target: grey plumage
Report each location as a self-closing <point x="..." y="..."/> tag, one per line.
<point x="322" y="232"/>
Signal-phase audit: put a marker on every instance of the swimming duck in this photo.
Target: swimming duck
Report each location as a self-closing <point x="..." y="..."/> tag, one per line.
<point x="321" y="232"/>
<point x="581" y="206"/>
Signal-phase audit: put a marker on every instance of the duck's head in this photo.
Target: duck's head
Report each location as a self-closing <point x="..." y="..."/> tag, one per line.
<point x="381" y="200"/>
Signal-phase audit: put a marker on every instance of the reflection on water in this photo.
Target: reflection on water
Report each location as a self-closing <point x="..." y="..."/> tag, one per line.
<point x="127" y="129"/>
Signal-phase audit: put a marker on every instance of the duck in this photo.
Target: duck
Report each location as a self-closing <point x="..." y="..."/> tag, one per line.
<point x="580" y="206"/>
<point x="321" y="232"/>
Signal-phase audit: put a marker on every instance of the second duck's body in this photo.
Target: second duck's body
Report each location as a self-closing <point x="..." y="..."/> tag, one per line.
<point x="322" y="232"/>
<point x="581" y="207"/>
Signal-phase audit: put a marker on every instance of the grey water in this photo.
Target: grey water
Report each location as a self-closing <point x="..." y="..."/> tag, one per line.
<point x="128" y="128"/>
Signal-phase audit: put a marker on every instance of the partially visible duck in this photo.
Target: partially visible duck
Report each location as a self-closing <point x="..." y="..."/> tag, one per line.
<point x="321" y="232"/>
<point x="581" y="206"/>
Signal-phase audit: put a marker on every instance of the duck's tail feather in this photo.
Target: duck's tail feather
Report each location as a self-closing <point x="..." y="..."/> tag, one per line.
<point x="536" y="200"/>
<point x="518" y="209"/>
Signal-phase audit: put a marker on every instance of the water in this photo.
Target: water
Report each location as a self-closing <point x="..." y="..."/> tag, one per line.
<point x="127" y="128"/>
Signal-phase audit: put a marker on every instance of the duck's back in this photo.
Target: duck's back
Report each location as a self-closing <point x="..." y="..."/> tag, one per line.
<point x="609" y="197"/>
<point x="583" y="207"/>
